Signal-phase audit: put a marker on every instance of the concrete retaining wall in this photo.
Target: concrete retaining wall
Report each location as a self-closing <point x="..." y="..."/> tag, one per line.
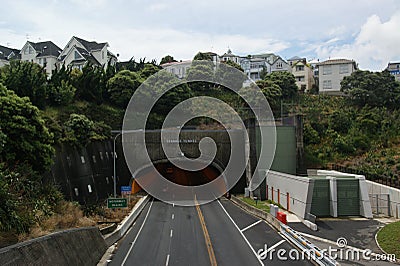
<point x="82" y="246"/>
<point x="294" y="193"/>
<point x="257" y="212"/>
<point x="386" y="196"/>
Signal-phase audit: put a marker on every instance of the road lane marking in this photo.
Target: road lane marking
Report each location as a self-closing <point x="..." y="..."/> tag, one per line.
<point x="265" y="252"/>
<point x="167" y="261"/>
<point x="173" y="216"/>
<point x="250" y="226"/>
<point x="245" y="239"/>
<point x="213" y="260"/>
<point x="138" y="233"/>
<point x="170" y="234"/>
<point x="277" y="244"/>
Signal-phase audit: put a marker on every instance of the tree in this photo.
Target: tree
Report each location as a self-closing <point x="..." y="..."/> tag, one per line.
<point x="197" y="73"/>
<point x="286" y="82"/>
<point x="167" y="59"/>
<point x="91" y="84"/>
<point x="376" y="89"/>
<point x="202" y="56"/>
<point x="78" y="129"/>
<point x="26" y="79"/>
<point x="122" y="86"/>
<point x="148" y="70"/>
<point x="271" y="91"/>
<point x="62" y="94"/>
<point x="27" y="140"/>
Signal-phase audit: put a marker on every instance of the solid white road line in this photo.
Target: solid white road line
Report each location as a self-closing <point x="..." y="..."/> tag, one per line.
<point x="245" y="239"/>
<point x="166" y="263"/>
<point x="274" y="246"/>
<point x="140" y="229"/>
<point x="250" y="226"/>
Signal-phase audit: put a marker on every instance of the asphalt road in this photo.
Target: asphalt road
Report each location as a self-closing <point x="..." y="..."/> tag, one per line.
<point x="173" y="235"/>
<point x="217" y="233"/>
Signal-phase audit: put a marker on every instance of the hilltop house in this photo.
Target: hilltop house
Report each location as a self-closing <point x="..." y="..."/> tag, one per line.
<point x="7" y="54"/>
<point x="79" y="52"/>
<point x="302" y="72"/>
<point x="332" y="72"/>
<point x="394" y="69"/>
<point x="43" y="53"/>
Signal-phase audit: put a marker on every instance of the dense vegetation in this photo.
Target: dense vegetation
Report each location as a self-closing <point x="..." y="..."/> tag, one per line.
<point x="361" y="131"/>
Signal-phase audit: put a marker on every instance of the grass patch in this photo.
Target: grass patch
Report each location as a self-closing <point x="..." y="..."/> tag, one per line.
<point x="389" y="238"/>
<point x="262" y="205"/>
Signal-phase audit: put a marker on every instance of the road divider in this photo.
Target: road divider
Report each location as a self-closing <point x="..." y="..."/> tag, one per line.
<point x="123" y="227"/>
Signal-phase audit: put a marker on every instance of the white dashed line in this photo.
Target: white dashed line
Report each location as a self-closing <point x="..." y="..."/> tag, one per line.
<point x="170" y="234"/>
<point x="173" y="216"/>
<point x="166" y="263"/>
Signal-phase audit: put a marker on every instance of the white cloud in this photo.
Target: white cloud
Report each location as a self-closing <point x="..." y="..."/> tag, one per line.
<point x="374" y="46"/>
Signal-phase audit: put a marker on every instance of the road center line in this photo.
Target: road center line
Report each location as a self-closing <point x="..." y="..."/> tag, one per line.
<point x="245" y="239"/>
<point x="173" y="216"/>
<point x="213" y="260"/>
<point x="170" y="234"/>
<point x="138" y="233"/>
<point x="250" y="226"/>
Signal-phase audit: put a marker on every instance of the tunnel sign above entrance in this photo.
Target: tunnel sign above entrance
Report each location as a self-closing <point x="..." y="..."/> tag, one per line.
<point x="117" y="203"/>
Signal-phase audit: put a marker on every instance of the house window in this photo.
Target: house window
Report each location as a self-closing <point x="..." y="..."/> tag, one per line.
<point x="279" y="65"/>
<point x="299" y="68"/>
<point x="343" y="69"/>
<point x="300" y="78"/>
<point x="327" y="70"/>
<point x="77" y="56"/>
<point x="102" y="55"/>
<point x="327" y="84"/>
<point x="26" y="50"/>
<point x="30" y="50"/>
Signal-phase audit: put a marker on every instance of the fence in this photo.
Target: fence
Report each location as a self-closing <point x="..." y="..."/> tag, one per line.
<point x="380" y="204"/>
<point x="385" y="180"/>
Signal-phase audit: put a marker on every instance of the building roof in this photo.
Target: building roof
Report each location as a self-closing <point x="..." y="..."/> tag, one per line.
<point x="336" y="62"/>
<point x="295" y="58"/>
<point x="88" y="56"/>
<point x="176" y="63"/>
<point x="91" y="46"/>
<point x="7" y="53"/>
<point x="47" y="48"/>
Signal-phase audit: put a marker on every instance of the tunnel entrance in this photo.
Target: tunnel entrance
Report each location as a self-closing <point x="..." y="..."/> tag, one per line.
<point x="183" y="177"/>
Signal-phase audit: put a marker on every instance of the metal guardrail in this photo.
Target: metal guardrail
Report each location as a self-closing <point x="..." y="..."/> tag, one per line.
<point x="309" y="249"/>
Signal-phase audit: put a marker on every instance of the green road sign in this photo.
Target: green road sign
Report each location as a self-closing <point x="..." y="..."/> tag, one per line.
<point x="117" y="203"/>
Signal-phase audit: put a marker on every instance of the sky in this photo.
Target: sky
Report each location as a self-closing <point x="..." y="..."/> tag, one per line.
<point x="367" y="31"/>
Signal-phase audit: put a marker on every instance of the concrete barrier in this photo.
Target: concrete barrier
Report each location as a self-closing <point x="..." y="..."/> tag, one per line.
<point x="127" y="222"/>
<point x="257" y="212"/>
<point x="81" y="246"/>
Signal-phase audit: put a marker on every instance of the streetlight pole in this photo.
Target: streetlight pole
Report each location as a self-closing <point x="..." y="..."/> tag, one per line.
<point x="115" y="155"/>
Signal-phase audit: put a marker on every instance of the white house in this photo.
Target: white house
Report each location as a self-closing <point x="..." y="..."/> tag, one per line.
<point x="229" y="56"/>
<point x="394" y="69"/>
<point x="332" y="72"/>
<point x="7" y="54"/>
<point x="178" y="68"/>
<point x="43" y="53"/>
<point x="79" y="52"/>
